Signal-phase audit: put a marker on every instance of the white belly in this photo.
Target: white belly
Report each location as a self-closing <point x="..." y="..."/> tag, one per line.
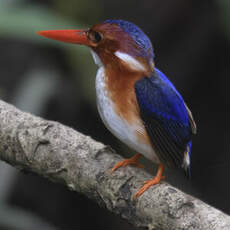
<point x="118" y="126"/>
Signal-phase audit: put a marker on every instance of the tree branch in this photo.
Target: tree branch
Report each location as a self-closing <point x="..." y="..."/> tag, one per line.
<point x="62" y="154"/>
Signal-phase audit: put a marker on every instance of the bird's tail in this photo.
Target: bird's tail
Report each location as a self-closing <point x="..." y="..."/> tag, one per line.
<point x="187" y="160"/>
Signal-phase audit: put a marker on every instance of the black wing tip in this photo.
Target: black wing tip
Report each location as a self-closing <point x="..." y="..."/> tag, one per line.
<point x="188" y="173"/>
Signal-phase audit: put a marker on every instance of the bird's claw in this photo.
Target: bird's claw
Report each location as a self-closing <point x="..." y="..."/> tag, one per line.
<point x="151" y="182"/>
<point x="130" y="161"/>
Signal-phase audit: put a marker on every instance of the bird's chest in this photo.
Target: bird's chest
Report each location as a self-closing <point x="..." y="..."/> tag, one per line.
<point x="107" y="110"/>
<point x="125" y="125"/>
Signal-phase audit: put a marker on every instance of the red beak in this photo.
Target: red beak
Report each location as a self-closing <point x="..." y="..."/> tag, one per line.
<point x="70" y="36"/>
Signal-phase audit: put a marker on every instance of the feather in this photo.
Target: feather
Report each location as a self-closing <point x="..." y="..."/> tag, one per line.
<point x="168" y="121"/>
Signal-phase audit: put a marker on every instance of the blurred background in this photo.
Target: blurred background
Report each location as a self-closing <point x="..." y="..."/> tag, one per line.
<point x="56" y="81"/>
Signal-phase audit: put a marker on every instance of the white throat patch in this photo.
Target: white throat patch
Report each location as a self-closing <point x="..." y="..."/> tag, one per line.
<point x="126" y="58"/>
<point x="96" y="58"/>
<point x="130" y="61"/>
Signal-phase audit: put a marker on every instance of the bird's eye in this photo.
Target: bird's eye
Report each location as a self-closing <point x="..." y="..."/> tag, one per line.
<point x="94" y="36"/>
<point x="97" y="37"/>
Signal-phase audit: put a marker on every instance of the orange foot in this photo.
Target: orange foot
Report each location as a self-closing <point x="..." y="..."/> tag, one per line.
<point x="130" y="161"/>
<point x="151" y="182"/>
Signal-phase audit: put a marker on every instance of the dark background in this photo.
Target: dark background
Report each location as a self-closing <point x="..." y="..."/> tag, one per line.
<point x="56" y="81"/>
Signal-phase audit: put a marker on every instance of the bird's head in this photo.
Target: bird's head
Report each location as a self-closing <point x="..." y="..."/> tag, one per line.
<point x="117" y="43"/>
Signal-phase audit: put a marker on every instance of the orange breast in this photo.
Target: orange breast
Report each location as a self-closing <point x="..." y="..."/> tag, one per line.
<point x="120" y="85"/>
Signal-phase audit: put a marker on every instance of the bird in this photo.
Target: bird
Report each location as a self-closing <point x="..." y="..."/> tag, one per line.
<point x="136" y="101"/>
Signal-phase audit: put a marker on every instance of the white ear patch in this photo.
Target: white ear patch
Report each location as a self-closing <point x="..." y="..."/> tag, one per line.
<point x="130" y="61"/>
<point x="96" y="58"/>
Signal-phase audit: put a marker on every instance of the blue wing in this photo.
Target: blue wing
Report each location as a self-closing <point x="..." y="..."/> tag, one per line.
<point x="167" y="119"/>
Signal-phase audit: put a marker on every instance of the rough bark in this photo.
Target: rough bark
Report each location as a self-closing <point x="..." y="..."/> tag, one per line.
<point x="62" y="154"/>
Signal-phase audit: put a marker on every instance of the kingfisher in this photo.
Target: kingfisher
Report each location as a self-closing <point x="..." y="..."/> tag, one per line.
<point x="135" y="100"/>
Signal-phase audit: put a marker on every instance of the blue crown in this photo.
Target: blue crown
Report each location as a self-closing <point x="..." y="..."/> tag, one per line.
<point x="137" y="35"/>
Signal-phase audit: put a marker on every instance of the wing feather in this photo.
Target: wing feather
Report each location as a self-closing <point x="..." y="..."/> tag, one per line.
<point x="167" y="119"/>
